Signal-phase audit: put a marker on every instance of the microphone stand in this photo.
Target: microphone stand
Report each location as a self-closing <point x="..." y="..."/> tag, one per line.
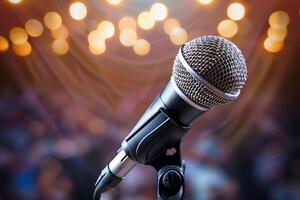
<point x="170" y="174"/>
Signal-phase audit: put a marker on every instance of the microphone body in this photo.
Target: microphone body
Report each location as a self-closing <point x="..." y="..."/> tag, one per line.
<point x="208" y="72"/>
<point x="162" y="126"/>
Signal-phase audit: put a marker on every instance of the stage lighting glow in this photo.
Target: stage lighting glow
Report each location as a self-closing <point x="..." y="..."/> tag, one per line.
<point x="227" y="28"/>
<point x="178" y="36"/>
<point x="18" y="35"/>
<point x="170" y="24"/>
<point x="61" y="33"/>
<point x="145" y="20"/>
<point x="127" y="22"/>
<point x="141" y="47"/>
<point x="96" y="126"/>
<point x="4" y="45"/>
<point x="34" y="28"/>
<point x="15" y="1"/>
<point x="22" y="49"/>
<point x="273" y="46"/>
<point x="107" y="28"/>
<point x="96" y="38"/>
<point x="97" y="49"/>
<point x="205" y="2"/>
<point x="114" y="2"/>
<point x="277" y="34"/>
<point x="78" y="11"/>
<point x="128" y="37"/>
<point x="279" y="19"/>
<point x="159" y="11"/>
<point x="236" y="11"/>
<point x="52" y="20"/>
<point x="60" y="47"/>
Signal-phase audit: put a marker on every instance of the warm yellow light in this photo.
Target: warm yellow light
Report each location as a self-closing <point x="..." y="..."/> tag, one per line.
<point x="34" y="28"/>
<point x="170" y="24"/>
<point x="227" y="28"/>
<point x="4" y="45"/>
<point x="277" y="34"/>
<point x="18" y="35"/>
<point x="97" y="49"/>
<point x="279" y="19"/>
<point x="61" y="33"/>
<point x="236" y="11"/>
<point x="128" y="37"/>
<point x="141" y="47"/>
<point x="52" y="20"/>
<point x="60" y="47"/>
<point x="178" y="36"/>
<point x="114" y="2"/>
<point x="22" y="49"/>
<point x="78" y="10"/>
<point x="15" y="1"/>
<point x="107" y="28"/>
<point x="127" y="22"/>
<point x="159" y="11"/>
<point x="273" y="46"/>
<point x="96" y="38"/>
<point x="145" y="20"/>
<point x="205" y="2"/>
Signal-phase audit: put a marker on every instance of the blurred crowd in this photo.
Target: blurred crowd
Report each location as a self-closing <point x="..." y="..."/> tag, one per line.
<point x="55" y="152"/>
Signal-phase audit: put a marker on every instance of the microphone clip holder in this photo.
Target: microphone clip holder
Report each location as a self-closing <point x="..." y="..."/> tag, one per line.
<point x="170" y="174"/>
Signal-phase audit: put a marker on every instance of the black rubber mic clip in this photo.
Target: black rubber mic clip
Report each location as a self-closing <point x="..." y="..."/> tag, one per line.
<point x="170" y="174"/>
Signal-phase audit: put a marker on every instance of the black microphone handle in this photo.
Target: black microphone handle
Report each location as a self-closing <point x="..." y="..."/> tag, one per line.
<point x="162" y="126"/>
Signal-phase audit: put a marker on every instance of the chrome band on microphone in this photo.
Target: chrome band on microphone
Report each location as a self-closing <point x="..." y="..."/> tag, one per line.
<point x="185" y="98"/>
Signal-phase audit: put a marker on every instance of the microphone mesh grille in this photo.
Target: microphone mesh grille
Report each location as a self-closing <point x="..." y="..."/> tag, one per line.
<point x="216" y="60"/>
<point x="194" y="89"/>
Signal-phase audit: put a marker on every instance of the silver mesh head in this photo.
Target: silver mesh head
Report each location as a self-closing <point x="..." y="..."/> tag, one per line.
<point x="216" y="60"/>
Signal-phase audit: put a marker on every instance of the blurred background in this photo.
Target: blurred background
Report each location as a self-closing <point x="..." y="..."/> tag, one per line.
<point x="77" y="75"/>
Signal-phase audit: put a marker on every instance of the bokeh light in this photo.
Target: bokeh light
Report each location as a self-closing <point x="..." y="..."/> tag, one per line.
<point x="4" y="45"/>
<point x="227" y="28"/>
<point x="277" y="34"/>
<point x="96" y="126"/>
<point x="178" y="36"/>
<point x="141" y="47"/>
<point x="78" y="10"/>
<point x="279" y="19"/>
<point x="18" y="35"/>
<point x="107" y="28"/>
<point x="22" y="49"/>
<point x="128" y="37"/>
<point x="60" y="47"/>
<point x="52" y="20"/>
<point x="114" y="2"/>
<point x="236" y="11"/>
<point x="159" y="11"/>
<point x="97" y="49"/>
<point x="61" y="33"/>
<point x="34" y="28"/>
<point x="273" y="46"/>
<point x="127" y="22"/>
<point x="15" y="1"/>
<point x="170" y="24"/>
<point x="205" y="2"/>
<point x="145" y="20"/>
<point x="95" y="38"/>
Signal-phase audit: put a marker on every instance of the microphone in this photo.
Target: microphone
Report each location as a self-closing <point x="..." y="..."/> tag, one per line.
<point x="208" y="72"/>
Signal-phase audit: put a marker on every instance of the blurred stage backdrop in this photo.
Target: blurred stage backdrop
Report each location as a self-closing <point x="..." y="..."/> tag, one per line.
<point x="77" y="75"/>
